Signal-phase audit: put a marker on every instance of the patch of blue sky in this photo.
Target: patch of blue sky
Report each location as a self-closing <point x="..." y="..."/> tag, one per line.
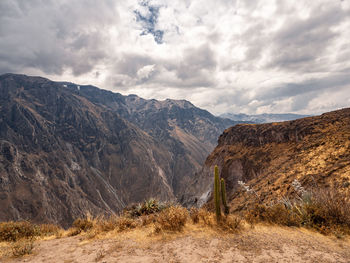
<point x="149" y="21"/>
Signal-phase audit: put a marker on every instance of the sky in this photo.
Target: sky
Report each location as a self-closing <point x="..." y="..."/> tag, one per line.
<point x="243" y="56"/>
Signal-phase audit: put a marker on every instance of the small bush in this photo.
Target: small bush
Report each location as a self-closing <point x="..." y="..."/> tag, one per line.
<point x="22" y="247"/>
<point x="173" y="218"/>
<point x="13" y="231"/>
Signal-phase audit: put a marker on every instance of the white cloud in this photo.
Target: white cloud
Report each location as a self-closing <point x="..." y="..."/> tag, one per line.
<point x="146" y="72"/>
<point x="239" y="56"/>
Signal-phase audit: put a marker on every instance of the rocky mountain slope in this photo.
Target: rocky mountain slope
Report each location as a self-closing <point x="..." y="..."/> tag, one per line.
<point x="268" y="157"/>
<point x="66" y="149"/>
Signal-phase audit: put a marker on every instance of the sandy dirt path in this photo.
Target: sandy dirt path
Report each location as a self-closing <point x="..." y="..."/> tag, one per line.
<point x="261" y="244"/>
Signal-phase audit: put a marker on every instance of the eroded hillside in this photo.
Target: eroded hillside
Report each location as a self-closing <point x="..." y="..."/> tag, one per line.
<point x="268" y="157"/>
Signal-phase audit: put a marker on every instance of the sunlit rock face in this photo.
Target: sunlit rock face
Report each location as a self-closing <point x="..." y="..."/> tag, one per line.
<point x="269" y="157"/>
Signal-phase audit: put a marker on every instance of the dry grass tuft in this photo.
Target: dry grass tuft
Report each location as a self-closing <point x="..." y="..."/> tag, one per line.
<point x="73" y="232"/>
<point x="172" y="219"/>
<point x="107" y="224"/>
<point x="206" y="217"/>
<point x="194" y="214"/>
<point x="124" y="223"/>
<point x="231" y="223"/>
<point x="50" y="230"/>
<point x="83" y="224"/>
<point x="147" y="219"/>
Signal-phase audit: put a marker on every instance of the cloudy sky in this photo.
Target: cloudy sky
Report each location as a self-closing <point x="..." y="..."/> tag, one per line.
<point x="248" y="56"/>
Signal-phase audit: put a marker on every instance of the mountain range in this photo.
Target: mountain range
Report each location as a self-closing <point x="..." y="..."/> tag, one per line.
<point x="68" y="149"/>
<point x="263" y="118"/>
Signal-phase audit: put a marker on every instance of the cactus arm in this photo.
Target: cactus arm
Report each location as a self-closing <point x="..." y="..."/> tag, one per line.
<point x="217" y="193"/>
<point x="223" y="196"/>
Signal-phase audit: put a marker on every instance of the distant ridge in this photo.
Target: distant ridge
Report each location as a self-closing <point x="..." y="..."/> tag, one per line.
<point x="263" y="118"/>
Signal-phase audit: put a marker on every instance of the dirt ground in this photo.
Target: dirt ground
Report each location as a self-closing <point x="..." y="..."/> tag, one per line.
<point x="261" y="244"/>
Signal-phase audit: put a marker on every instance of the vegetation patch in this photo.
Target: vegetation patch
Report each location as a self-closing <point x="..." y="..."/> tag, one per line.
<point x="325" y="210"/>
<point x="231" y="223"/>
<point x="172" y="219"/>
<point x="13" y="231"/>
<point x="22" y="247"/>
<point x="148" y="207"/>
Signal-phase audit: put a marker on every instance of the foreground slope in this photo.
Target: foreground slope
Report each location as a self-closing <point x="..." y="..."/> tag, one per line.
<point x="67" y="150"/>
<point x="194" y="244"/>
<point x="268" y="157"/>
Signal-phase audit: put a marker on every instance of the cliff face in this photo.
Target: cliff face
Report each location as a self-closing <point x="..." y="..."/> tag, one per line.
<point x="268" y="157"/>
<point x="66" y="150"/>
<point x="186" y="132"/>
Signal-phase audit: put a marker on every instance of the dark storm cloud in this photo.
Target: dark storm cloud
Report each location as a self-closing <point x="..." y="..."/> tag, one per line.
<point x="53" y="36"/>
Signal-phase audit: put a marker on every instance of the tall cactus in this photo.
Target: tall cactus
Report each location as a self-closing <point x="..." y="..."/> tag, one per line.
<point x="223" y="197"/>
<point x="217" y="193"/>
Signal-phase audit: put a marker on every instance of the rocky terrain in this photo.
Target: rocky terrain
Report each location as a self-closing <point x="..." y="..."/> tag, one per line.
<point x="66" y="149"/>
<point x="268" y="157"/>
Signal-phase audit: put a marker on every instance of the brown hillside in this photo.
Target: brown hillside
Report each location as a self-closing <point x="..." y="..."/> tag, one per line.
<point x="268" y="157"/>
